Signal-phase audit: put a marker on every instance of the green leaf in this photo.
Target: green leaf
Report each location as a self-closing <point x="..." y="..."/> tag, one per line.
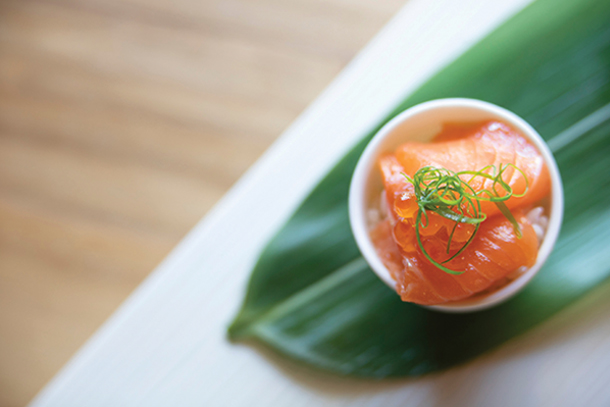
<point x="313" y="298"/>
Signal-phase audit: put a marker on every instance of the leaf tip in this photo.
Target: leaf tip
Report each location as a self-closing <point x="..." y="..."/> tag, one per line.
<point x="239" y="329"/>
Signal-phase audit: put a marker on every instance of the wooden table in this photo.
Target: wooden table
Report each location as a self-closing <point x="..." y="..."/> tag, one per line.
<point x="121" y="123"/>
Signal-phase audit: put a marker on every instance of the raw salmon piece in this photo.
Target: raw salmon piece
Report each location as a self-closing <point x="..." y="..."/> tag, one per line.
<point x="491" y="143"/>
<point x="494" y="253"/>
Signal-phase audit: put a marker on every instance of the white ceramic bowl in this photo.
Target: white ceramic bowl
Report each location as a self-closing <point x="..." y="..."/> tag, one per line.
<point x="421" y="123"/>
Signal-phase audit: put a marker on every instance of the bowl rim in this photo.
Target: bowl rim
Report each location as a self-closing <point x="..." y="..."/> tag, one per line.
<point x="367" y="161"/>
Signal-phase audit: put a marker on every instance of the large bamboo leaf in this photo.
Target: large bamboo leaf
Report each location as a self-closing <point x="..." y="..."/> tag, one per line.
<point x="312" y="296"/>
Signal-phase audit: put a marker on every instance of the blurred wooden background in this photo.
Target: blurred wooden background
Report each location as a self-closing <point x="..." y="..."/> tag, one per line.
<point x="121" y="123"/>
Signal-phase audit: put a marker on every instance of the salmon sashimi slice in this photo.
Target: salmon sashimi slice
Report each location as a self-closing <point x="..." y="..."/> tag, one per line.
<point x="472" y="148"/>
<point x="494" y="254"/>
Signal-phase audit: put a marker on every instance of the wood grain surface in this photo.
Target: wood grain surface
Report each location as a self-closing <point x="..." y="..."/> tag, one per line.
<point x="122" y="122"/>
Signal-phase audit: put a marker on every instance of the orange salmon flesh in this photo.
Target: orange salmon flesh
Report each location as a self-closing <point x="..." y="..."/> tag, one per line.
<point x="495" y="251"/>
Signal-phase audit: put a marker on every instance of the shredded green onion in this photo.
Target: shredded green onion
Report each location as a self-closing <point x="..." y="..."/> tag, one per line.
<point x="445" y="193"/>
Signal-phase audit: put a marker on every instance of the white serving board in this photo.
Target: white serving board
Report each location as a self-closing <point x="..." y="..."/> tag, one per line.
<point x="166" y="345"/>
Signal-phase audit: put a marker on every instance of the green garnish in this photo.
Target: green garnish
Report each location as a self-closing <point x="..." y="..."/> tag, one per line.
<point x="444" y="192"/>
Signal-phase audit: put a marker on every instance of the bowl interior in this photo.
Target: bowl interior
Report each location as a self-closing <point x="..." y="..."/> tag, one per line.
<point x="421" y="123"/>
